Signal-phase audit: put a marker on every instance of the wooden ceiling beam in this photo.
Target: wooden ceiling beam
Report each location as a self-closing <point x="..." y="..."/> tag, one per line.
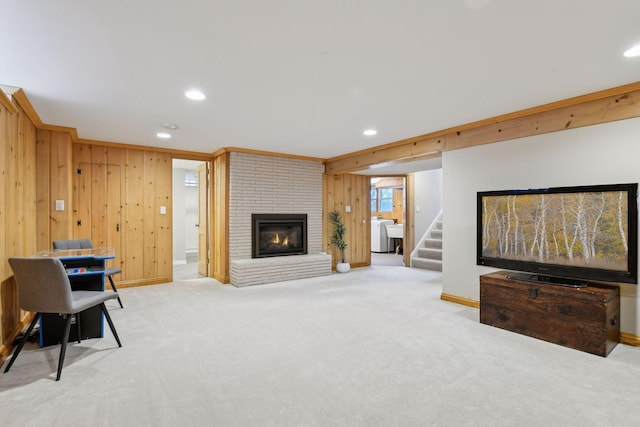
<point x="617" y="103"/>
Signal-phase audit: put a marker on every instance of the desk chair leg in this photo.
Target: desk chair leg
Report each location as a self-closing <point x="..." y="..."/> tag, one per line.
<point x="63" y="348"/>
<point x="78" y="328"/>
<point x="113" y="328"/>
<point x="22" y="341"/>
<point x="113" y="286"/>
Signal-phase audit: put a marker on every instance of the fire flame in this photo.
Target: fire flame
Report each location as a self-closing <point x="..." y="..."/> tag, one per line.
<point x="276" y="240"/>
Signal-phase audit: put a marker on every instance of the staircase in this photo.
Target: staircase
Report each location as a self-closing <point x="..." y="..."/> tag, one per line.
<point x="428" y="253"/>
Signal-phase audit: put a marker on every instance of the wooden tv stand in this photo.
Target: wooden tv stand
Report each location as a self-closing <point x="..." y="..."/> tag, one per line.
<point x="586" y="319"/>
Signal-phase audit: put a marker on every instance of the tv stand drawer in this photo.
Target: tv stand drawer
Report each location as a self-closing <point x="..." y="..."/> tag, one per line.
<point x="585" y="319"/>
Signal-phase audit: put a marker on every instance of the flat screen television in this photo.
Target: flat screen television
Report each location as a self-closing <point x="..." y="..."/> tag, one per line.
<point x="563" y="235"/>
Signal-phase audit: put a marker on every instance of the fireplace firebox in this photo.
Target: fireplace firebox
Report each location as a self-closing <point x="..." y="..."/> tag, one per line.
<point x="278" y="234"/>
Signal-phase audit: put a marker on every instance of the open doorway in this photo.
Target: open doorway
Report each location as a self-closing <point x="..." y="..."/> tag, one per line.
<point x="388" y="204"/>
<point x="190" y="204"/>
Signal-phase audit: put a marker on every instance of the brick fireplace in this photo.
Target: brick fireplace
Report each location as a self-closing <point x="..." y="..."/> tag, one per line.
<point x="273" y="185"/>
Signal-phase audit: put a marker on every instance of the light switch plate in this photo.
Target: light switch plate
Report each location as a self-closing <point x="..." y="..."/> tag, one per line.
<point x="163" y="210"/>
<point x="59" y="205"/>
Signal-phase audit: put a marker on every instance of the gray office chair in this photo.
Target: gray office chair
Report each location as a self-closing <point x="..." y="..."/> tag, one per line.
<point x="86" y="244"/>
<point x="43" y="287"/>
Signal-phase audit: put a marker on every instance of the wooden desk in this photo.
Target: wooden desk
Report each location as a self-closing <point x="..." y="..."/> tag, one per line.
<point x="85" y="268"/>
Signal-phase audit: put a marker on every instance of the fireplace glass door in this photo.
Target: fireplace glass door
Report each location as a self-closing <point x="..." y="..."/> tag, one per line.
<point x="279" y="234"/>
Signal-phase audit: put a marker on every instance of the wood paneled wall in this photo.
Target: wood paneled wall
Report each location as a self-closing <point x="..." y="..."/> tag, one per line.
<point x="17" y="210"/>
<point x="119" y="194"/>
<point x="349" y="190"/>
<point x="219" y="237"/>
<point x="53" y="182"/>
<point x="112" y="196"/>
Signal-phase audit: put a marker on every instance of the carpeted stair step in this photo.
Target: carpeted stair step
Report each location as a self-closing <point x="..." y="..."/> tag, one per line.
<point x="433" y="243"/>
<point x="430" y="253"/>
<point x="427" y="264"/>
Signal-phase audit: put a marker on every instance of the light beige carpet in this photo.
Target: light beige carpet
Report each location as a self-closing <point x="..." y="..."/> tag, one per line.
<point x="373" y="347"/>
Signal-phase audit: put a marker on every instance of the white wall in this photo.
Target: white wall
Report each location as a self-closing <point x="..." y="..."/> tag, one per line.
<point x="602" y="154"/>
<point x="428" y="200"/>
<point x="185" y="215"/>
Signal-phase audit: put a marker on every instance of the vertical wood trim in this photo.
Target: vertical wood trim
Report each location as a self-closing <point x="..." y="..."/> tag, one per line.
<point x="216" y="210"/>
<point x="409" y="225"/>
<point x="219" y="234"/>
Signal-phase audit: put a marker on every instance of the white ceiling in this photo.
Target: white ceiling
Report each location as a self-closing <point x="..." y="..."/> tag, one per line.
<point x="306" y="77"/>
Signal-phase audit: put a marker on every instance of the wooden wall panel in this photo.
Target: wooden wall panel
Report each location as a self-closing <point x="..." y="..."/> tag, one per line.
<point x="9" y="310"/>
<point x="82" y="192"/>
<point x="43" y="194"/>
<point x="27" y="188"/>
<point x="398" y="205"/>
<point x="116" y="160"/>
<point x="163" y="231"/>
<point x="17" y="212"/>
<point x="349" y="190"/>
<point x="219" y="236"/>
<point x="97" y="171"/>
<point x="149" y="227"/>
<point x="117" y="196"/>
<point x="61" y="188"/>
<point x="134" y="216"/>
<point x="5" y="130"/>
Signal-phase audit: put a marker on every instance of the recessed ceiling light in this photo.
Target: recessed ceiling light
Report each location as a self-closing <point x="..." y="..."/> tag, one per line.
<point x="634" y="51"/>
<point x="169" y="126"/>
<point x="196" y="95"/>
<point x="163" y="135"/>
<point x="370" y="132"/>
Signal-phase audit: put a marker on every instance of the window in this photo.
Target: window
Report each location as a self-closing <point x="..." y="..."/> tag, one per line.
<point x="382" y="199"/>
<point x="190" y="180"/>
<point x="374" y="200"/>
<point x="386" y="199"/>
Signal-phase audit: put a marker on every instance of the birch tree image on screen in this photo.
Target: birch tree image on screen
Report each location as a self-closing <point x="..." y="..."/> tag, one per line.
<point x="584" y="229"/>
